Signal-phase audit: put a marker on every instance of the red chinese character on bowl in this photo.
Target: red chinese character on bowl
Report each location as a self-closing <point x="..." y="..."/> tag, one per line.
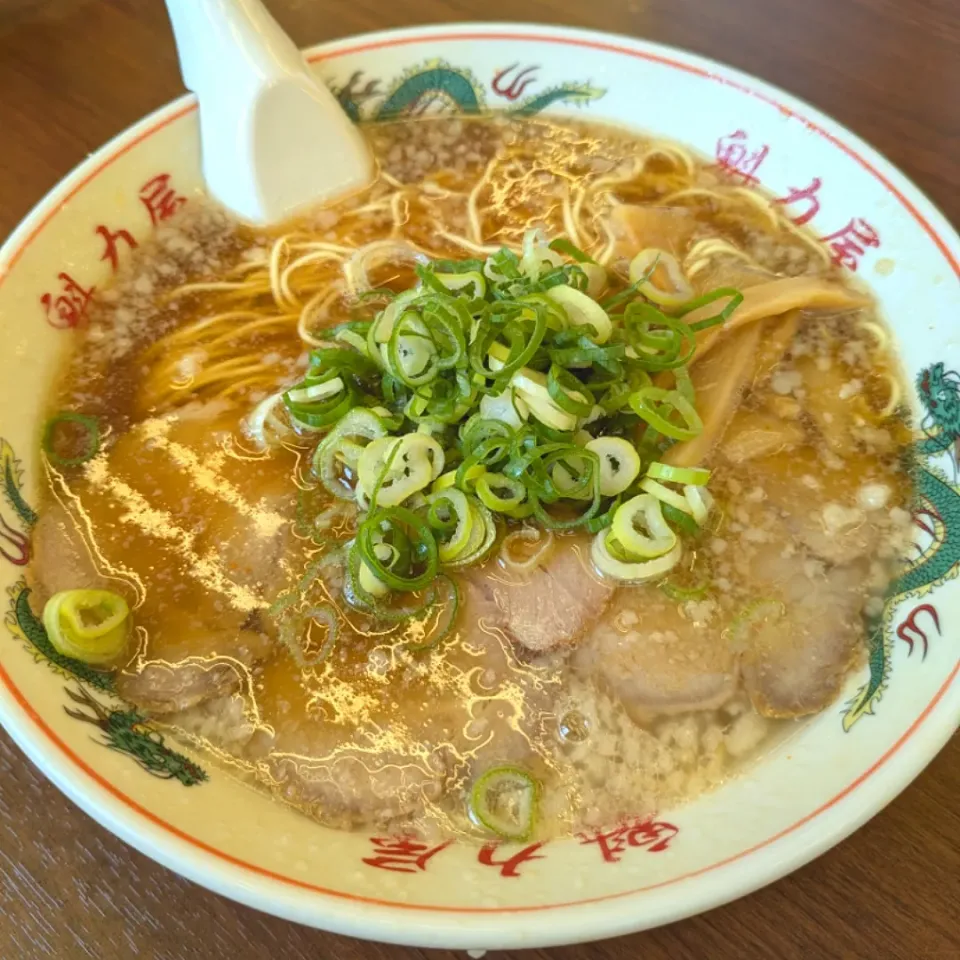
<point x="737" y="157"/>
<point x="67" y="308"/>
<point x="654" y="835"/>
<point x="111" y="238"/>
<point x="160" y="198"/>
<point x="848" y="244"/>
<point x="509" y="864"/>
<point x="402" y="854"/>
<point x="805" y="197"/>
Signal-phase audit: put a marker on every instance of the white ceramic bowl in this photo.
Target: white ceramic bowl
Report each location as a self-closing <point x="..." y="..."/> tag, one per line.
<point x="837" y="771"/>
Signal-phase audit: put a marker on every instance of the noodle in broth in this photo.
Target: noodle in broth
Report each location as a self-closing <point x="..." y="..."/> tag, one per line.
<point x="557" y="697"/>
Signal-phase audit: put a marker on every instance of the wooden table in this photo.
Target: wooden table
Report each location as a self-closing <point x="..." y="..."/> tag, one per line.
<point x="75" y="72"/>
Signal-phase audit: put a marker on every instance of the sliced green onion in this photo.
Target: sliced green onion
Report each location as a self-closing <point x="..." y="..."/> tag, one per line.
<point x="572" y="348"/>
<point x="553" y="521"/>
<point x="357" y="597"/>
<point x="464" y="477"/>
<point x="374" y="469"/>
<point x="471" y="283"/>
<point x="384" y="522"/>
<point x="502" y="265"/>
<point x="499" y="492"/>
<point x="643" y="511"/>
<point x="695" y="500"/>
<point x="619" y="464"/>
<point x="391" y="469"/>
<point x="619" y="299"/>
<point x="92" y="626"/>
<point x="507" y="407"/>
<point x="332" y="450"/>
<point x="680" y="520"/>
<point x="329" y="362"/>
<point x="368" y="580"/>
<point x="523" y="341"/>
<point x="264" y="426"/>
<point x="525" y="510"/>
<point x="699" y="500"/>
<point x="533" y="388"/>
<point x="354" y="334"/>
<point x="573" y="476"/>
<point x="603" y="520"/>
<point x="582" y="310"/>
<point x="736" y="298"/>
<point x="630" y="571"/>
<point x="568" y="393"/>
<point x="571" y="250"/>
<point x="596" y="279"/>
<point x="316" y="391"/>
<point x="682" y="594"/>
<point x="446" y="507"/>
<point x="381" y="327"/>
<point x="684" y="385"/>
<point x="474" y="532"/>
<point x="658" y="341"/>
<point x="468" y="473"/>
<point x="478" y="429"/>
<point x="482" y="550"/>
<point x="506" y="801"/>
<point x="411" y="351"/>
<point x="661" y="408"/>
<point x="697" y="476"/>
<point x="643" y="268"/>
<point x="456" y="266"/>
<point x="508" y="374"/>
<point x="536" y="253"/>
<point x="91" y="439"/>
<point x="664" y="494"/>
<point x="321" y="411"/>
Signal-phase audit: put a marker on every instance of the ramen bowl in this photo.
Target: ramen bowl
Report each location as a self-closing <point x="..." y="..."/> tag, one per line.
<point x="834" y="772"/>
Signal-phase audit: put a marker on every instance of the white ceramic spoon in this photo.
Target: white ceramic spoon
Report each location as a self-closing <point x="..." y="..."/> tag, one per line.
<point x="274" y="139"/>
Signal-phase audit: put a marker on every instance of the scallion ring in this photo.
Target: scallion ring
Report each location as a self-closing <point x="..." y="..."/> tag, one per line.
<point x="697" y="476"/>
<point x="632" y="572"/>
<point x="91" y="438"/>
<point x="424" y="561"/>
<point x="619" y="464"/>
<point x="92" y="626"/>
<point x="582" y="310"/>
<point x="568" y="393"/>
<point x="499" y="492"/>
<point x="644" y="268"/>
<point x="506" y="800"/>
<point x="654" y="539"/>
<point x="662" y="408"/>
<point x="735" y="299"/>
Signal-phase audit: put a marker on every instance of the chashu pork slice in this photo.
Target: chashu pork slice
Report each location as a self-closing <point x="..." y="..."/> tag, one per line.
<point x="661" y="657"/>
<point x="802" y="630"/>
<point x="549" y="607"/>
<point x="819" y="497"/>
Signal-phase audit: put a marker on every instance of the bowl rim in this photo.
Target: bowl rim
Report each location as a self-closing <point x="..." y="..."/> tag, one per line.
<point x="501" y="927"/>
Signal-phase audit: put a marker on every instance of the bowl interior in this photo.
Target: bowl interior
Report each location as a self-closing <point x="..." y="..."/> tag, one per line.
<point x="814" y="788"/>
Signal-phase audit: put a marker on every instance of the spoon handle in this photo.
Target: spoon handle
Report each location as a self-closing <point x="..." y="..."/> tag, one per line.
<point x="274" y="139"/>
